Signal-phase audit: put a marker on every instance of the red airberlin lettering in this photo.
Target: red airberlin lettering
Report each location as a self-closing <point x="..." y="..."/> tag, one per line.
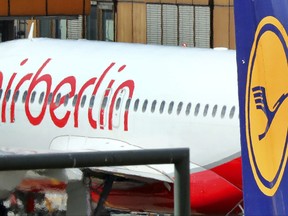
<point x="6" y="95"/>
<point x="61" y="122"/>
<point x="35" y="81"/>
<point x="102" y="111"/>
<point x="88" y="83"/>
<point x="92" y="121"/>
<point x="43" y="77"/>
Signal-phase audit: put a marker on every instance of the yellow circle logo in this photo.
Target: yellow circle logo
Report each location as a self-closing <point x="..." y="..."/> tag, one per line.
<point x="266" y="106"/>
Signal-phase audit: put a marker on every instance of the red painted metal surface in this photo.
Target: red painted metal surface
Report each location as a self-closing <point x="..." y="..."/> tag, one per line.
<point x="215" y="191"/>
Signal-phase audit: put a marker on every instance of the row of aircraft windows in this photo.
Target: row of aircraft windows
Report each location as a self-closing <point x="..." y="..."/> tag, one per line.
<point x="179" y="109"/>
<point x="188" y="109"/>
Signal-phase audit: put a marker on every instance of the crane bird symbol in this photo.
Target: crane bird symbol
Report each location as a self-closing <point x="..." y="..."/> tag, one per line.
<point x="260" y="98"/>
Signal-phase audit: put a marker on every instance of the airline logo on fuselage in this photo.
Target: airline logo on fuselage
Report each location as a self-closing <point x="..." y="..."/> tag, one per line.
<point x="41" y="78"/>
<point x="266" y="105"/>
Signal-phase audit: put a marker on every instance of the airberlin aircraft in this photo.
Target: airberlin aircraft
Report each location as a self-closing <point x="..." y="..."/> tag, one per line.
<point x="77" y="96"/>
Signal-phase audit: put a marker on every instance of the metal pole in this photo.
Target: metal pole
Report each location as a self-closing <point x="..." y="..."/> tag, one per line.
<point x="182" y="186"/>
<point x="178" y="156"/>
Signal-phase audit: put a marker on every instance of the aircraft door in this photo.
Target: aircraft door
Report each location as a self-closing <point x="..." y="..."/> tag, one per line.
<point x="111" y="112"/>
<point x="118" y="112"/>
<point x="104" y="109"/>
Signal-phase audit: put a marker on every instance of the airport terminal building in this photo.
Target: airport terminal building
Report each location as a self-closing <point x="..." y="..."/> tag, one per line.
<point x="192" y="23"/>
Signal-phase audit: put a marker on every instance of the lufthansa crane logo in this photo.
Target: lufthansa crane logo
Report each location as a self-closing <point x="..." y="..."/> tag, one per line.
<point x="266" y="105"/>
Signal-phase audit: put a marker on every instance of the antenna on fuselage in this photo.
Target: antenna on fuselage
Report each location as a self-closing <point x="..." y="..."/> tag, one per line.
<point x="30" y="35"/>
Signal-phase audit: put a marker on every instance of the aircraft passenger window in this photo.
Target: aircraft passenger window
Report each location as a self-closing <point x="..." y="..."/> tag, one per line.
<point x="33" y="97"/>
<point x="144" y="107"/>
<point x="206" y="110"/>
<point x="74" y="100"/>
<point x="214" y="111"/>
<point x="58" y="97"/>
<point x="50" y="98"/>
<point x="127" y="105"/>
<point x="162" y="106"/>
<point x="66" y="99"/>
<point x="92" y="100"/>
<point x="188" y="109"/>
<point x="170" y="109"/>
<point x="83" y="101"/>
<point x="153" y="106"/>
<point x="16" y="96"/>
<point x="197" y="108"/>
<point x="136" y="104"/>
<point x="232" y="112"/>
<point x="8" y="94"/>
<point x="104" y="102"/>
<point x="179" y="108"/>
<point x="118" y="102"/>
<point x="223" y="111"/>
<point x="24" y="96"/>
<point x="41" y="97"/>
<point x="1" y="93"/>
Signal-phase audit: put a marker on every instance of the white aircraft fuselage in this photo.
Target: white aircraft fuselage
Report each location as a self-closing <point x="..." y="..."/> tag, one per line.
<point x="82" y="95"/>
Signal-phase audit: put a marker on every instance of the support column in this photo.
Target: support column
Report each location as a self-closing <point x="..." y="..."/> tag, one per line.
<point x="78" y="202"/>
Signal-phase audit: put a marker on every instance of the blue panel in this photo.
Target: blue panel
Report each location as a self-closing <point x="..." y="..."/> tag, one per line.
<point x="261" y="45"/>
